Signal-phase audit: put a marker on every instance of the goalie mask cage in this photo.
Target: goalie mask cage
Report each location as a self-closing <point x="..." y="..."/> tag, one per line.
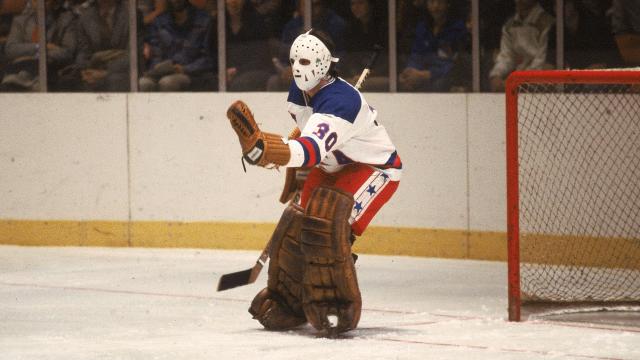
<point x="573" y="189"/>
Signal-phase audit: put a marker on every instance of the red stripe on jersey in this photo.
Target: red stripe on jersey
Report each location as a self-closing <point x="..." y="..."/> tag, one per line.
<point x="393" y="162"/>
<point x="310" y="151"/>
<point x="397" y="164"/>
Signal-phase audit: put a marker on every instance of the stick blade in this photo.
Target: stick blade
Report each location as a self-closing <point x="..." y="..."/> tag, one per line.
<point x="232" y="280"/>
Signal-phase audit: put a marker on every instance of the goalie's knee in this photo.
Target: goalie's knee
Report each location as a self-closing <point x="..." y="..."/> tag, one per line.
<point x="325" y="229"/>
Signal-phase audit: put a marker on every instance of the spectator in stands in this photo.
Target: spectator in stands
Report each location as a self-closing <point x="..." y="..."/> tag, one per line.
<point x="22" y="47"/>
<point x="493" y="15"/>
<point x="410" y="13"/>
<point x="524" y="42"/>
<point x="151" y="9"/>
<point x="248" y="58"/>
<point x="8" y="10"/>
<point x="11" y="9"/>
<point x="77" y="6"/>
<point x="461" y="75"/>
<point x="438" y="40"/>
<point x="5" y="27"/>
<point x="269" y="12"/>
<point x="588" y="42"/>
<point x="364" y="31"/>
<point x="102" y="63"/>
<point x="597" y="7"/>
<point x="211" y="7"/>
<point x="324" y="19"/>
<point x="180" y="50"/>
<point x="625" y="23"/>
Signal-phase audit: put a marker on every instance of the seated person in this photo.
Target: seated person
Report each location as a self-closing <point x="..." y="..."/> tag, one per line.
<point x="438" y="40"/>
<point x="409" y="14"/>
<point x="625" y="23"/>
<point x="180" y="50"/>
<point x="151" y="9"/>
<point x="323" y="19"/>
<point x="524" y="42"/>
<point x="102" y="63"/>
<point x="493" y="14"/>
<point x="8" y="10"/>
<point x="22" y="47"/>
<point x="248" y="61"/>
<point x="77" y="6"/>
<point x="270" y="13"/>
<point x="461" y="75"/>
<point x="588" y="42"/>
<point x="365" y="31"/>
<point x="5" y="26"/>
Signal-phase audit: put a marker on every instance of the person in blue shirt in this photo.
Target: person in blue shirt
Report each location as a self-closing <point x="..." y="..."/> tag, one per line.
<point x="438" y="40"/>
<point x="180" y="48"/>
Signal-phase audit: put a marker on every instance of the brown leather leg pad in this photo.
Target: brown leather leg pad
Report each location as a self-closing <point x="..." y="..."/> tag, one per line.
<point x="330" y="285"/>
<point x="279" y="305"/>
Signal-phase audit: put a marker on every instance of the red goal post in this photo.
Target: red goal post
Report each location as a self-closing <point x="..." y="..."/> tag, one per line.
<point x="573" y="187"/>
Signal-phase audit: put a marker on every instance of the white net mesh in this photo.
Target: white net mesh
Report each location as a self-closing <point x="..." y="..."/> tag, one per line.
<point x="579" y="188"/>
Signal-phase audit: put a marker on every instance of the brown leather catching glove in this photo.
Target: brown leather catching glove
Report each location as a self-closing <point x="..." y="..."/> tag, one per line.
<point x="258" y="148"/>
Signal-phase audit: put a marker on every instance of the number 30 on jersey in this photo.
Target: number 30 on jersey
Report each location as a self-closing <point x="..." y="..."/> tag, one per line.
<point x="321" y="132"/>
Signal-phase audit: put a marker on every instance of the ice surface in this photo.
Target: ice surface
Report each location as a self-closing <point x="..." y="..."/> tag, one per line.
<point x="133" y="303"/>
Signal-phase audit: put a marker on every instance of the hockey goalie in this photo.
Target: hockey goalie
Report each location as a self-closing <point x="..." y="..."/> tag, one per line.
<point x="353" y="170"/>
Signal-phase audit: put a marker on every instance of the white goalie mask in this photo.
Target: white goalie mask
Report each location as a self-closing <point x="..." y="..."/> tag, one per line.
<point x="310" y="61"/>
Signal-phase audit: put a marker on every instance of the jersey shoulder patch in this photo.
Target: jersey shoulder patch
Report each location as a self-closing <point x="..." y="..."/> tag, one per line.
<point x="338" y="99"/>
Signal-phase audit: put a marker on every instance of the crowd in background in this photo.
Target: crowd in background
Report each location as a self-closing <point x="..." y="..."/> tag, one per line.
<point x="87" y="42"/>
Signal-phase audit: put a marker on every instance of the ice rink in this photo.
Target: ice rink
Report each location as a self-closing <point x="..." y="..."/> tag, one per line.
<point x="136" y="303"/>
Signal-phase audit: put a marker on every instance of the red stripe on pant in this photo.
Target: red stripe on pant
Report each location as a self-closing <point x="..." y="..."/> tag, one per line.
<point x="350" y="179"/>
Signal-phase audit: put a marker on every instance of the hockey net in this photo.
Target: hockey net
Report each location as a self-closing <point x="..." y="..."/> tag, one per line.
<point x="573" y="179"/>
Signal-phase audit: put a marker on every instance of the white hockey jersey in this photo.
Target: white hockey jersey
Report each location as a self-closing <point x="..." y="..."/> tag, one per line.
<point x="339" y="128"/>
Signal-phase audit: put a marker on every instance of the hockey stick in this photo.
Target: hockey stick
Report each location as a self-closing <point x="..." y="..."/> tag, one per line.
<point x="368" y="66"/>
<point x="244" y="277"/>
<point x="249" y="276"/>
